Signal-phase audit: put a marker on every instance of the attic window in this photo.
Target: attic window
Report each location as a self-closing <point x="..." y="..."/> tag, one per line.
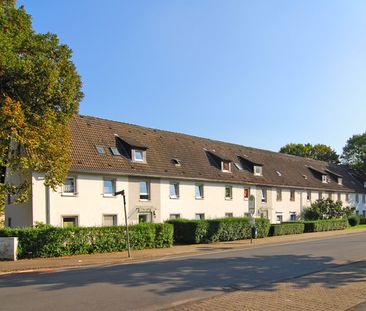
<point x="239" y="166"/>
<point x="324" y="179"/>
<point x="226" y="166"/>
<point x="100" y="149"/>
<point x="258" y="170"/>
<point x="176" y="162"/>
<point x="138" y="155"/>
<point x="114" y="151"/>
<point x="278" y="173"/>
<point x="340" y="181"/>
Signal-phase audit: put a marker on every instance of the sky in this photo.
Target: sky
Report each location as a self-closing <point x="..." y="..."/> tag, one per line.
<point x="259" y="73"/>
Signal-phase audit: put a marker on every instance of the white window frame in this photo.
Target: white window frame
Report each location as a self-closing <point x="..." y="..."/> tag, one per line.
<point x="293" y="214"/>
<point x="258" y="170"/>
<point x="340" y="181"/>
<point x="222" y="167"/>
<point x="145" y="193"/>
<point x="135" y="159"/>
<point x="176" y="188"/>
<point x="246" y="198"/>
<point x="108" y="195"/>
<point x="279" y="218"/>
<point x="324" y="179"/>
<point x="201" y="191"/>
<point x="70" y="216"/>
<point x="278" y="194"/>
<point x="308" y="195"/>
<point x="69" y="193"/>
<point x="115" y="219"/>
<point x="230" y="197"/>
<point x="264" y="195"/>
<point x="174" y="216"/>
<point x="198" y="216"/>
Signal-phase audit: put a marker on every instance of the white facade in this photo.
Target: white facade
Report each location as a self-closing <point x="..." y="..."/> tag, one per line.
<point x="89" y="205"/>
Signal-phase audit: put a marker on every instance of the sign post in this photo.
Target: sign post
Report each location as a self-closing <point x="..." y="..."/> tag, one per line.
<point x="251" y="208"/>
<point x="126" y="222"/>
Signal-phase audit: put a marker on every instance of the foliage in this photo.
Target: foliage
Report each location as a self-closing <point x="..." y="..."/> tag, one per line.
<point x="326" y="209"/>
<point x="286" y="228"/>
<point x="48" y="241"/>
<point x="224" y="229"/>
<point x="325" y="225"/>
<point x="39" y="93"/>
<point x="354" y="152"/>
<point x="362" y="220"/>
<point x="354" y="220"/>
<point x="317" y="152"/>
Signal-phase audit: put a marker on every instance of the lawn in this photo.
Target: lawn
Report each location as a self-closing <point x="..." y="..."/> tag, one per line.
<point x="357" y="227"/>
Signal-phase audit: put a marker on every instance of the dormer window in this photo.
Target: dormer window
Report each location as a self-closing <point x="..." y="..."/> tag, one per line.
<point x="340" y="181"/>
<point x="176" y="162"/>
<point x="138" y="155"/>
<point x="226" y="166"/>
<point x="324" y="179"/>
<point x="115" y="151"/>
<point x="258" y="170"/>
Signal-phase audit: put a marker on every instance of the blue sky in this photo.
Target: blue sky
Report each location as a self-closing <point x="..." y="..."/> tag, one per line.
<point x="257" y="73"/>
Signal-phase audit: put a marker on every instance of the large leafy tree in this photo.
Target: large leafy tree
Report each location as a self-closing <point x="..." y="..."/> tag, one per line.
<point x="354" y="152"/>
<point x="317" y="152"/>
<point x="40" y="90"/>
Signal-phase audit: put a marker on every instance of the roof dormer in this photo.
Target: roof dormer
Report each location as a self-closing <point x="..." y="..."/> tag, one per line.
<point x="133" y="149"/>
<point x="319" y="174"/>
<point x="253" y="166"/>
<point x="337" y="178"/>
<point x="223" y="162"/>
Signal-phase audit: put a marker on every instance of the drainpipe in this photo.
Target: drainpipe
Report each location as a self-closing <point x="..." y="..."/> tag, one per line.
<point x="47" y="189"/>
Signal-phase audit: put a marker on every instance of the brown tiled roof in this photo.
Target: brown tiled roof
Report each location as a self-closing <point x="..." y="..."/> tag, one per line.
<point x="163" y="146"/>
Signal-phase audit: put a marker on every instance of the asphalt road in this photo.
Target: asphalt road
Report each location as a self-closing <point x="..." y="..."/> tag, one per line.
<point x="163" y="283"/>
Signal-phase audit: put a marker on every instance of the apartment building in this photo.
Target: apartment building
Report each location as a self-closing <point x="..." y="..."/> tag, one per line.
<point x="169" y="175"/>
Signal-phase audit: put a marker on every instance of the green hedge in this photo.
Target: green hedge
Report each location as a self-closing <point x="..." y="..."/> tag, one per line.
<point x="286" y="228"/>
<point x="363" y="221"/>
<point x="354" y="220"/>
<point x="213" y="230"/>
<point x="325" y="225"/>
<point x="47" y="241"/>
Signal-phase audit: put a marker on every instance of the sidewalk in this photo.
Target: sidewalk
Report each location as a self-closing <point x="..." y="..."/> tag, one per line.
<point x="156" y="254"/>
<point x="335" y="289"/>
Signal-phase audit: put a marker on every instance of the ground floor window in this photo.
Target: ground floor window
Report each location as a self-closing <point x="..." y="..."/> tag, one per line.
<point x="279" y="218"/>
<point x="229" y="215"/>
<point x="9" y="222"/>
<point x="69" y="221"/>
<point x="145" y="217"/>
<point x="109" y="220"/>
<point x="200" y="216"/>
<point x="292" y="216"/>
<point x="174" y="216"/>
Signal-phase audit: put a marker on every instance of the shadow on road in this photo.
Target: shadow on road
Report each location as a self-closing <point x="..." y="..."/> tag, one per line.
<point x="208" y="274"/>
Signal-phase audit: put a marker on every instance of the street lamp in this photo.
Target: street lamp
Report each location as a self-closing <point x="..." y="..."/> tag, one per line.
<point x="122" y="192"/>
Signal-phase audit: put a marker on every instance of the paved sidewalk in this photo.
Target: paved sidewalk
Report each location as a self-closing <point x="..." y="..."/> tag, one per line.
<point x="156" y="254"/>
<point x="341" y="288"/>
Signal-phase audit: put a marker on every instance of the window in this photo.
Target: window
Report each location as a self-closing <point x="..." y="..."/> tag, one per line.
<point x="114" y="151"/>
<point x="228" y="192"/>
<point x="363" y="213"/>
<point x="174" y="216"/>
<point x="357" y="198"/>
<point x="339" y="197"/>
<point x="246" y="193"/>
<point x="69" y="221"/>
<point x="279" y="219"/>
<point x="239" y="166"/>
<point x="229" y="215"/>
<point x="363" y="199"/>
<point x="109" y="220"/>
<point x="9" y="221"/>
<point x="347" y="197"/>
<point x="340" y="182"/>
<point x="292" y="195"/>
<point x="144" y="218"/>
<point x="320" y="195"/>
<point x="330" y="195"/>
<point x="199" y="191"/>
<point x="200" y="216"/>
<point x="292" y="216"/>
<point x="69" y="186"/>
<point x="174" y="190"/>
<point x="308" y="196"/>
<point x="264" y="195"/>
<point x="257" y="170"/>
<point x="278" y="173"/>
<point x="144" y="190"/>
<point x="100" y="149"/>
<point x="109" y="187"/>
<point x="324" y="179"/>
<point x="176" y="162"/>
<point x="279" y="194"/>
<point x="225" y="166"/>
<point x="138" y="155"/>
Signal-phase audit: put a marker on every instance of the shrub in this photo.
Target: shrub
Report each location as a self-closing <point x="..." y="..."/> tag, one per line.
<point x="325" y="225"/>
<point x="362" y="220"/>
<point x="47" y="241"/>
<point x="354" y="220"/>
<point x="223" y="229"/>
<point x="326" y="209"/>
<point x="286" y="228"/>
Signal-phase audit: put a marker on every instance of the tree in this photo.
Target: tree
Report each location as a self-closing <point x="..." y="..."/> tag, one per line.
<point x="317" y="152"/>
<point x="354" y="152"/>
<point x="326" y="209"/>
<point x="40" y="90"/>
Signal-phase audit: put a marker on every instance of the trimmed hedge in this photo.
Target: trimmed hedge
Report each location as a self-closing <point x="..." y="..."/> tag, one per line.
<point x="354" y="220"/>
<point x="325" y="225"/>
<point x="48" y="241"/>
<point x="363" y="221"/>
<point x="213" y="230"/>
<point x="286" y="228"/>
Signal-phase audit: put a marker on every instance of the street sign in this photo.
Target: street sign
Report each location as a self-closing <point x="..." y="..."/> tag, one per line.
<point x="251" y="204"/>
